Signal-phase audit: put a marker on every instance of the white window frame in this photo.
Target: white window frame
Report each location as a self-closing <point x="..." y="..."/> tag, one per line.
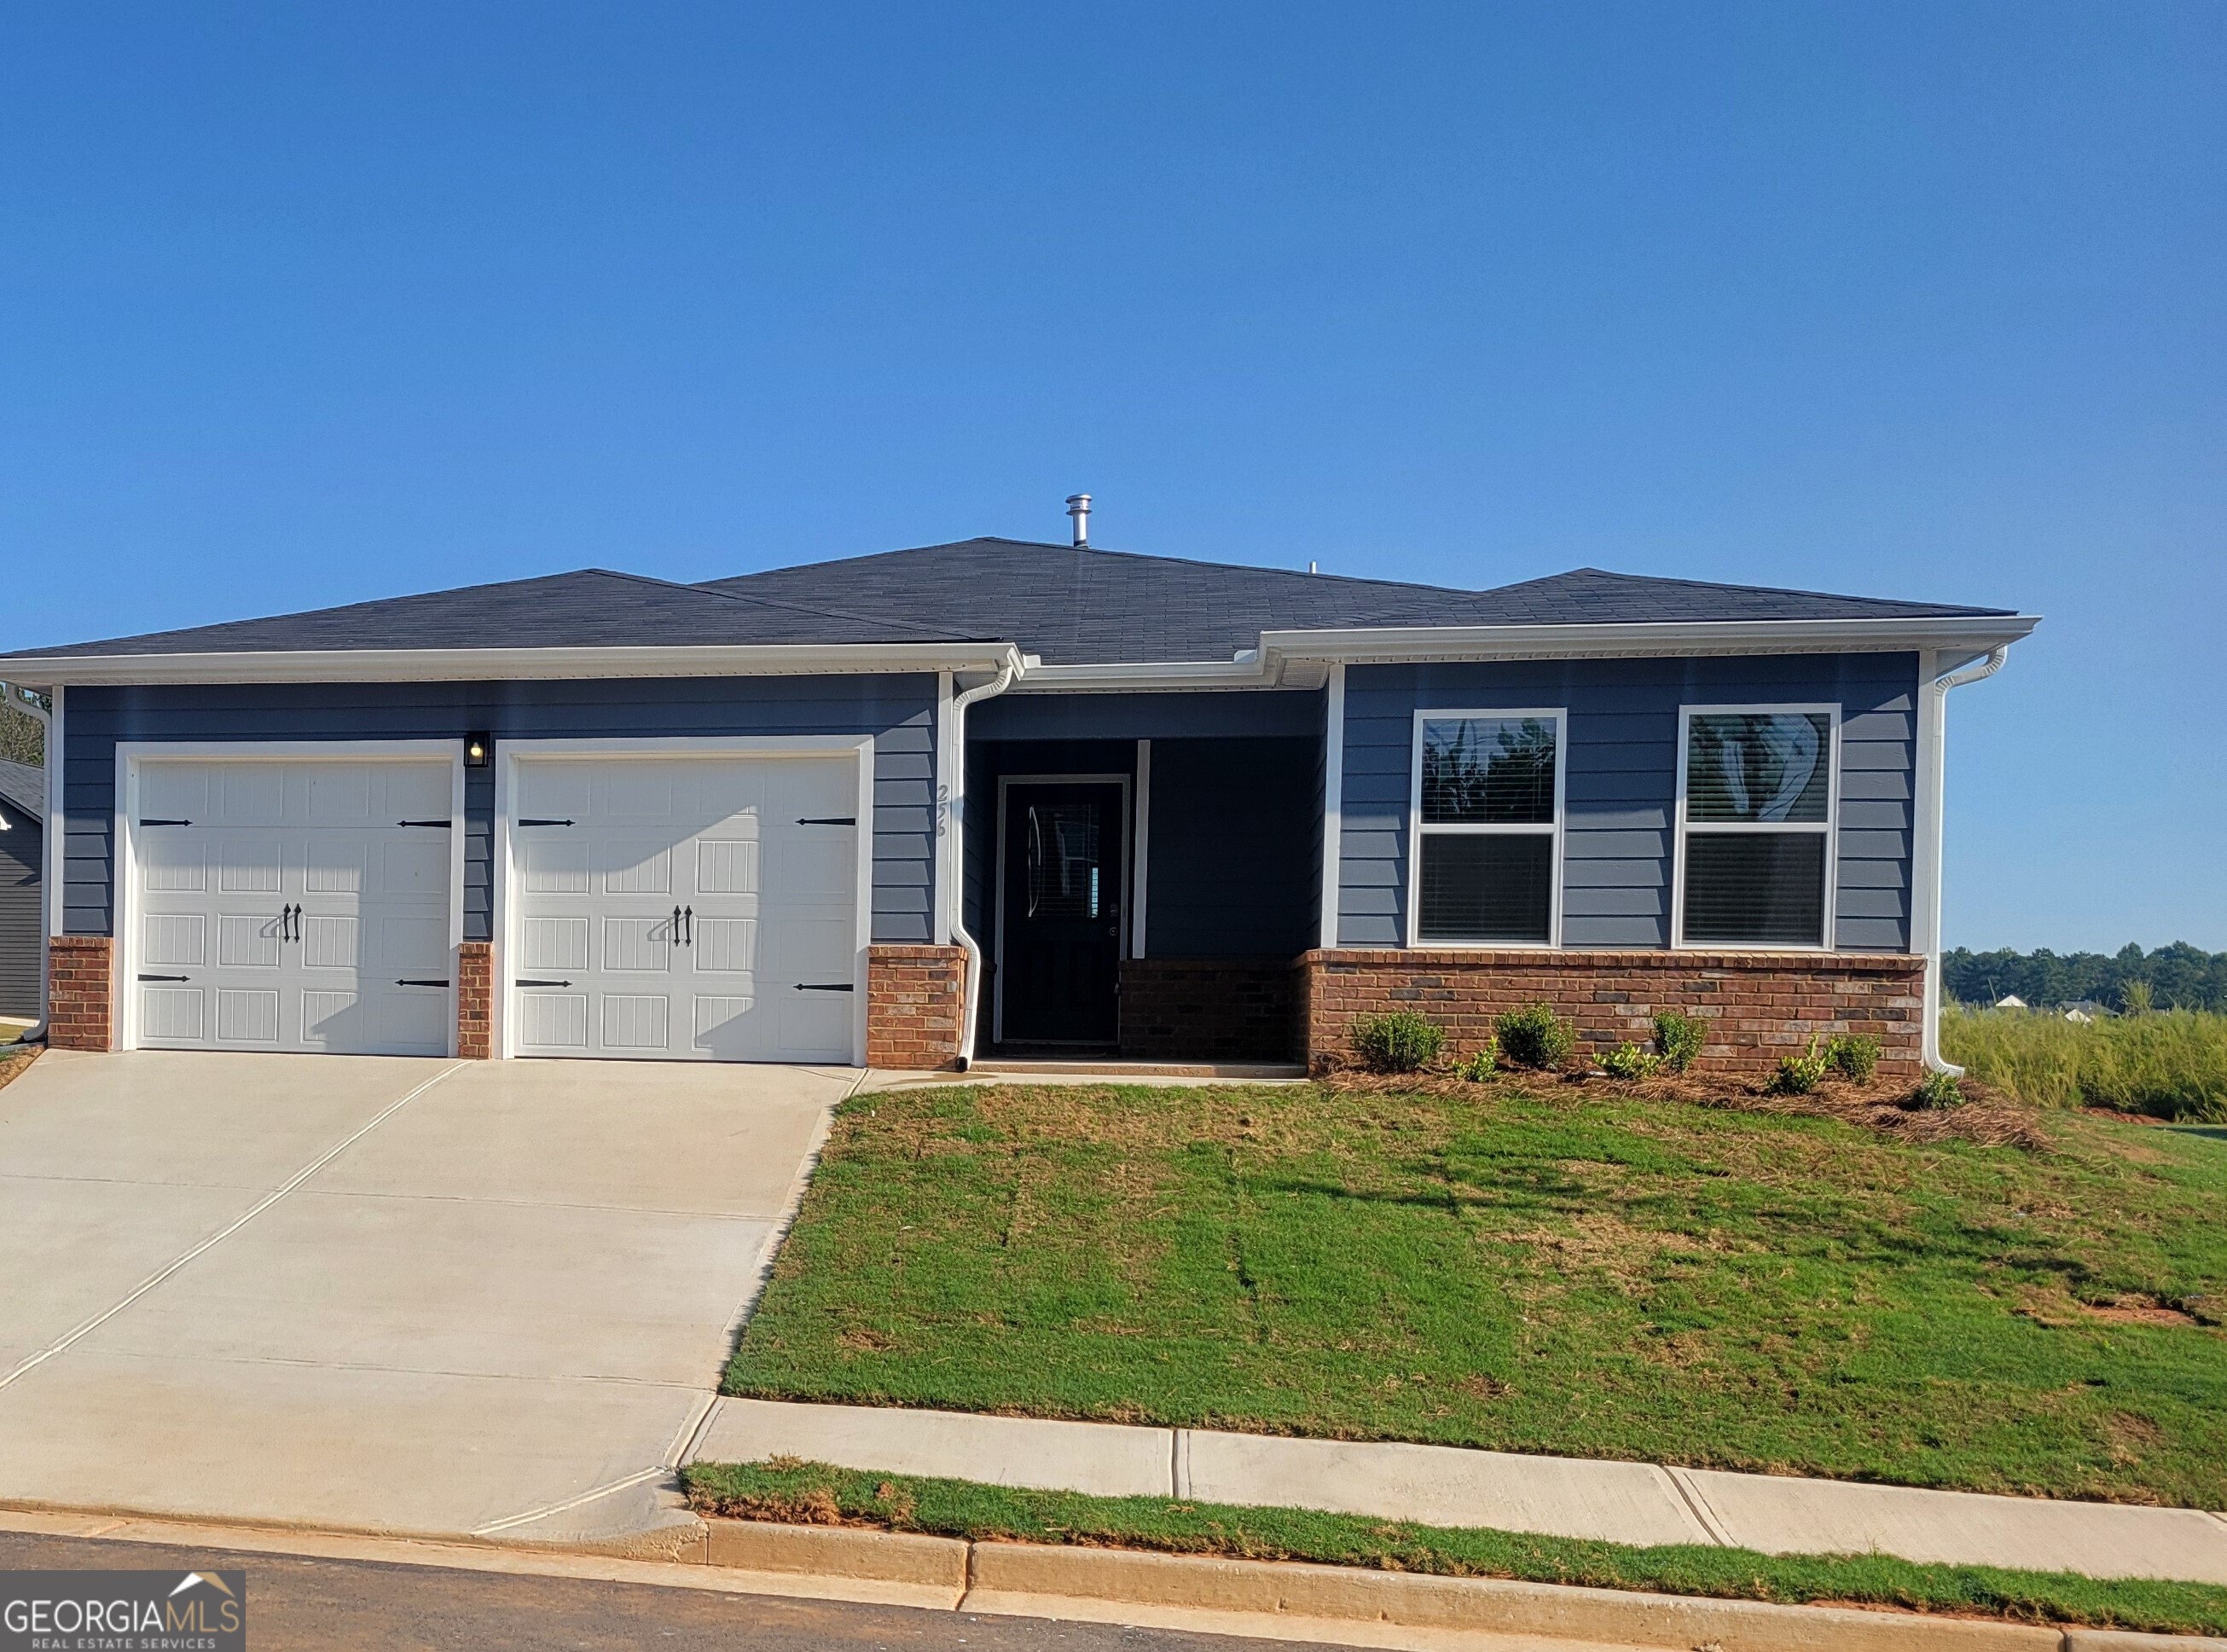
<point x="1829" y="828"/>
<point x="1560" y="717"/>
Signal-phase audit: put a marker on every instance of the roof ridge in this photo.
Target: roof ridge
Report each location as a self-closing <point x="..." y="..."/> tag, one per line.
<point x="1729" y="584"/>
<point x="774" y="601"/>
<point x="1108" y="551"/>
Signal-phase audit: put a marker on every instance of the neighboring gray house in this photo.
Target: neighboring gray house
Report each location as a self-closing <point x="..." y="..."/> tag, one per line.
<point x="1003" y="798"/>
<point x="22" y="924"/>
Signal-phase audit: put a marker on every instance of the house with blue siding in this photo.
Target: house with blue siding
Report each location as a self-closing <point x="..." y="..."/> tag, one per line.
<point x="999" y="798"/>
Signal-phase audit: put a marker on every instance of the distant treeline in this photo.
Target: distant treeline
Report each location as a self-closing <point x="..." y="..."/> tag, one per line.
<point x="2179" y="977"/>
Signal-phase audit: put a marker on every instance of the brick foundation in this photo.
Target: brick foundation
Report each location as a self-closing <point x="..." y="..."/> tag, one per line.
<point x="475" y="1000"/>
<point x="1209" y="1009"/>
<point x="1758" y="1006"/>
<point x="914" y="1001"/>
<point x="81" y="993"/>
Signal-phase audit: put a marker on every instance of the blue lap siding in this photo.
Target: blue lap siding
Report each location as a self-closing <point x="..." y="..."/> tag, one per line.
<point x="1621" y="782"/>
<point x="898" y="712"/>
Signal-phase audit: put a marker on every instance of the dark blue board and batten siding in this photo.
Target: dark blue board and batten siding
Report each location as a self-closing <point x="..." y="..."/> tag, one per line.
<point x="899" y="712"/>
<point x="1622" y="782"/>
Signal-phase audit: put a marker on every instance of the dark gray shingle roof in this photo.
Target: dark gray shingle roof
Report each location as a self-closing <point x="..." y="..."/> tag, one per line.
<point x="592" y="608"/>
<point x="1069" y="606"/>
<point x="1090" y="607"/>
<point x="23" y="787"/>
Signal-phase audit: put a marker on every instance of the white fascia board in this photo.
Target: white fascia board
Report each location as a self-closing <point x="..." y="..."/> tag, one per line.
<point x="509" y="665"/>
<point x="1632" y="638"/>
<point x="1265" y="666"/>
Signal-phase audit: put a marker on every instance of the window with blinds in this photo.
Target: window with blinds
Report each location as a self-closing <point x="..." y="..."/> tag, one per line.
<point x="1756" y="825"/>
<point x="1487" y="827"/>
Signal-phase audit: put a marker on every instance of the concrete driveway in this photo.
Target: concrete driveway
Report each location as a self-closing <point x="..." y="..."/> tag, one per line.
<point x="400" y="1295"/>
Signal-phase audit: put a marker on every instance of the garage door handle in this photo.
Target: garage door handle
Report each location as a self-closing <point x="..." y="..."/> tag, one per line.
<point x="528" y="983"/>
<point x="823" y="986"/>
<point x="166" y="823"/>
<point x="828" y="819"/>
<point x="410" y="982"/>
<point x="535" y="823"/>
<point x="166" y="978"/>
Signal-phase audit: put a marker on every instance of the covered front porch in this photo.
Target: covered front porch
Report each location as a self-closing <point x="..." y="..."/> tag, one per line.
<point x="1141" y="872"/>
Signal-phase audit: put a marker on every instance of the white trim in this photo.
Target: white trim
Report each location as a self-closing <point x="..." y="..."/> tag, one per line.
<point x="945" y="906"/>
<point x="123" y="862"/>
<point x="1333" y="820"/>
<point x="1560" y="717"/>
<point x="56" y="849"/>
<point x="1140" y="840"/>
<point x="998" y="994"/>
<point x="509" y="752"/>
<point x="1264" y="667"/>
<point x="474" y="665"/>
<point x="1260" y="667"/>
<point x="1829" y="828"/>
<point x="1929" y="803"/>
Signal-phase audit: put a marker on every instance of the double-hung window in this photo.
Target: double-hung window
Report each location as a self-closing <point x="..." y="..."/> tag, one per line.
<point x="1757" y="792"/>
<point x="1488" y="812"/>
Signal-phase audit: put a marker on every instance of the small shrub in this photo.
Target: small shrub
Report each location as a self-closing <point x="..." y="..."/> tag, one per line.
<point x="1679" y="1039"/>
<point x="1856" y="1055"/>
<point x="1936" y="1091"/>
<point x="1629" y="1060"/>
<point x="1537" y="1037"/>
<point x="1799" y="1074"/>
<point x="1482" y="1066"/>
<point x="1399" y="1043"/>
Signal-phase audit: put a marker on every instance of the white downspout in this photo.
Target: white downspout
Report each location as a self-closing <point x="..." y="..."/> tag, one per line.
<point x="36" y="1032"/>
<point x="1926" y="908"/>
<point x="954" y="896"/>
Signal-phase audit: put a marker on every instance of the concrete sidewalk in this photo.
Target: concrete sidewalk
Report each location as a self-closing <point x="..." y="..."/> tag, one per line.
<point x="1440" y="1485"/>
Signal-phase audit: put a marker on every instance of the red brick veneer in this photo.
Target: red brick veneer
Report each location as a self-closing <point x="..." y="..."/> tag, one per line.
<point x="1208" y="1009"/>
<point x="81" y="992"/>
<point x="475" y="1000"/>
<point x="1760" y="1005"/>
<point x="915" y="1001"/>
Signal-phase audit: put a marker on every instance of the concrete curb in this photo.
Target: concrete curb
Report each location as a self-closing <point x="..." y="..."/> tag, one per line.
<point x="1280" y="1597"/>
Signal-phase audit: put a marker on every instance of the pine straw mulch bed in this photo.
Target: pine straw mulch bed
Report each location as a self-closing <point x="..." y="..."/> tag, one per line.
<point x="1986" y="1117"/>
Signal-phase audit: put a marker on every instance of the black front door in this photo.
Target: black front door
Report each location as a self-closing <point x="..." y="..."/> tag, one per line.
<point x="1059" y="953"/>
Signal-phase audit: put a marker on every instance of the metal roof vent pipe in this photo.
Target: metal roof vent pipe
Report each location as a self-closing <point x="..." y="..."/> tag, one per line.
<point x="1078" y="507"/>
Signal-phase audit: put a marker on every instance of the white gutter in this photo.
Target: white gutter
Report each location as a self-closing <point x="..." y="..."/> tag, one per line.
<point x="469" y="665"/>
<point x="952" y="892"/>
<point x="36" y="1031"/>
<point x="1925" y="903"/>
<point x="1264" y="667"/>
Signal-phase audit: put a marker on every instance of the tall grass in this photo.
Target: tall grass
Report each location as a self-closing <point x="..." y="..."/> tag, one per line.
<point x="2171" y="1065"/>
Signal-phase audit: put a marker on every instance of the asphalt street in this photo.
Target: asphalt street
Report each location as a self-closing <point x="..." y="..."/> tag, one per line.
<point x="348" y="1605"/>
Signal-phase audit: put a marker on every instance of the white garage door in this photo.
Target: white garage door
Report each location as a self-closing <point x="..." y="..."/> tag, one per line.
<point x="688" y="908"/>
<point x="299" y="906"/>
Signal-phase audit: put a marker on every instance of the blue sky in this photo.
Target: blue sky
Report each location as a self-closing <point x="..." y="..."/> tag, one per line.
<point x="304" y="305"/>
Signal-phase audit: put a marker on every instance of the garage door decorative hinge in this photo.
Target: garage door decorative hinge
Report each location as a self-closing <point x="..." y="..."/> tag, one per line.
<point x="535" y="822"/>
<point x="166" y="978"/>
<point x="823" y="986"/>
<point x="423" y="823"/>
<point x="828" y="819"/>
<point x="522" y="982"/>
<point x="148" y="823"/>
<point x="412" y="982"/>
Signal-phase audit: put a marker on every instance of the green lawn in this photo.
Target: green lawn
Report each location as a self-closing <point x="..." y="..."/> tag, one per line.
<point x="814" y="1494"/>
<point x="1568" y="1271"/>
